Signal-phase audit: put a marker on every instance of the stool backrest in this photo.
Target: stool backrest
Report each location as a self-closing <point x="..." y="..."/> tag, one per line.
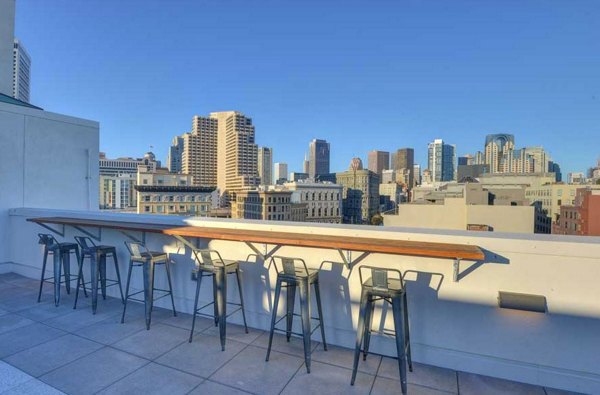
<point x="136" y="249"/>
<point x="85" y="242"/>
<point x="47" y="239"/>
<point x="380" y="276"/>
<point x="289" y="265"/>
<point x="207" y="257"/>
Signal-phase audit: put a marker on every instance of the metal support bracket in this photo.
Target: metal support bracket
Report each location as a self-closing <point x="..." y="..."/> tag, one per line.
<point x="61" y="233"/>
<point x="135" y="239"/>
<point x="456" y="269"/>
<point x="97" y="237"/>
<point x="186" y="242"/>
<point x="347" y="258"/>
<point x="267" y="254"/>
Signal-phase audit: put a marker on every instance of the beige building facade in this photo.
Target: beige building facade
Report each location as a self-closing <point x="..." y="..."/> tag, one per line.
<point x="269" y="205"/>
<point x="323" y="200"/>
<point x="360" y="196"/>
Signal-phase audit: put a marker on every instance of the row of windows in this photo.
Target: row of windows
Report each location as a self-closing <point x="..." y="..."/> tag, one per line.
<point x="321" y="196"/>
<point x="325" y="212"/>
<point x="176" y="198"/>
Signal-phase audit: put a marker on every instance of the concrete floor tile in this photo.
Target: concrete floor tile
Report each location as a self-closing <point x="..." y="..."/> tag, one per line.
<point x="203" y="356"/>
<point x="154" y="379"/>
<point x="13" y="321"/>
<point x="48" y="356"/>
<point x="294" y="347"/>
<point x="328" y="379"/>
<point x="25" y="337"/>
<point x="385" y="386"/>
<point x="249" y="371"/>
<point x="424" y="375"/>
<point x="93" y="372"/>
<point x="33" y="387"/>
<point x="344" y="358"/>
<point x="474" y="384"/>
<point x="111" y="330"/>
<point x="11" y="377"/>
<point x="236" y="332"/>
<point x="153" y="343"/>
<point x="212" y="388"/>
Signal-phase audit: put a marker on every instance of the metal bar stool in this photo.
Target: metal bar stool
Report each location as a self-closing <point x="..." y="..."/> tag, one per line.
<point x="211" y="264"/>
<point x="390" y="289"/>
<point x="97" y="255"/>
<point x="293" y="273"/>
<point x="141" y="256"/>
<point x="61" y="254"/>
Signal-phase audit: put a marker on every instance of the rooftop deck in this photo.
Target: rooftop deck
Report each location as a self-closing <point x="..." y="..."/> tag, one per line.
<point x="49" y="350"/>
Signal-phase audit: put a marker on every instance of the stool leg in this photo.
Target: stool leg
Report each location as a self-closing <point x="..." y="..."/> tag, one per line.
<point x="148" y="269"/>
<point x="406" y="332"/>
<point x="102" y="266"/>
<point x="43" y="273"/>
<point x="67" y="270"/>
<point x="215" y="307"/>
<point x="168" y="267"/>
<point x="126" y="291"/>
<point x="79" y="278"/>
<point x="116" y="262"/>
<point x="239" y="281"/>
<point x="274" y="316"/>
<point x="94" y="274"/>
<point x="368" y="325"/>
<point x="398" y="326"/>
<point x="320" y="311"/>
<point x="79" y="259"/>
<point x="198" y="282"/>
<point x="221" y="280"/>
<point x="56" y="255"/>
<point x="291" y="299"/>
<point x="305" y="315"/>
<point x="360" y="328"/>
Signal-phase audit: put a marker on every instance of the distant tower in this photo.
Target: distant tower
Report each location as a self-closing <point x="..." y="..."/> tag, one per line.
<point x="441" y="161"/>
<point x="7" y="36"/>
<point x="306" y="165"/>
<point x="378" y="161"/>
<point x="21" y="72"/>
<point x="356" y="164"/>
<point x="319" y="158"/>
<point x="265" y="165"/>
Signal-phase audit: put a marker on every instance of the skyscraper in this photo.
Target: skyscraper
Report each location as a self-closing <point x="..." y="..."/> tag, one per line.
<point x="306" y="165"/>
<point x="319" y="158"/>
<point x="498" y="149"/>
<point x="265" y="165"/>
<point x="379" y="161"/>
<point x="280" y="173"/>
<point x="175" y="155"/>
<point x="199" y="156"/>
<point x="21" y="72"/>
<point x="441" y="160"/>
<point x="7" y="36"/>
<point x="237" y="153"/>
<point x="404" y="158"/>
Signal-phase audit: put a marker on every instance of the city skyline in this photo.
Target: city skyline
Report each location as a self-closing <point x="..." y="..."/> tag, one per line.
<point x="451" y="88"/>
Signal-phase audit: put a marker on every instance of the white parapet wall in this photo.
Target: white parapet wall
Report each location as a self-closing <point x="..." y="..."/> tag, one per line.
<point x="452" y="324"/>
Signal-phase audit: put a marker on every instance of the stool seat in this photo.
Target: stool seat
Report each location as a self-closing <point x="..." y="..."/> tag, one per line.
<point x="229" y="265"/>
<point x="156" y="256"/>
<point x="63" y="246"/>
<point x="394" y="287"/>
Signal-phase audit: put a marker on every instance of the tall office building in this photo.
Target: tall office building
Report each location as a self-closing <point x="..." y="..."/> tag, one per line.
<point x="306" y="165"/>
<point x="379" y="161"/>
<point x="319" y="158"/>
<point x="280" y="173"/>
<point x="441" y="161"/>
<point x="21" y="72"/>
<point x="265" y="165"/>
<point x="360" y="194"/>
<point x="404" y="158"/>
<point x="417" y="175"/>
<point x="199" y="156"/>
<point x="237" y="153"/>
<point x="7" y="36"/>
<point x="498" y="151"/>
<point x="175" y="155"/>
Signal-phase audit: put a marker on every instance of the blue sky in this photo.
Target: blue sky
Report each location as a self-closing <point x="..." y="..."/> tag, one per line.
<point x="362" y="75"/>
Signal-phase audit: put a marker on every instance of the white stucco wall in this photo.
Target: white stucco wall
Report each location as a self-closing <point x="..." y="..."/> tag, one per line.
<point x="453" y="324"/>
<point x="46" y="160"/>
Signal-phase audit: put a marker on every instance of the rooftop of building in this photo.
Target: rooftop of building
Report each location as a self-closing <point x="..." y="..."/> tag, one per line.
<point x="11" y="100"/>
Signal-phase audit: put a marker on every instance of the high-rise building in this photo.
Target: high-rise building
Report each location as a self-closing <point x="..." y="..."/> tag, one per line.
<point x="319" y="158"/>
<point x="237" y="153"/>
<point x="265" y="165"/>
<point x="280" y="173"/>
<point x="441" y="161"/>
<point x="539" y="158"/>
<point x="379" y="161"/>
<point x="21" y="72"/>
<point x="119" y="166"/>
<point x="7" y="36"/>
<point x="175" y="155"/>
<point x="306" y="165"/>
<point x="497" y="151"/>
<point x="582" y="218"/>
<point x="199" y="156"/>
<point x="417" y="175"/>
<point x="404" y="158"/>
<point x="360" y="194"/>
